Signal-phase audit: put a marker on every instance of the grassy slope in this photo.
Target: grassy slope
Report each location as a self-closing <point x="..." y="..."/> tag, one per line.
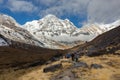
<point x="110" y="70"/>
<point x="16" y="57"/>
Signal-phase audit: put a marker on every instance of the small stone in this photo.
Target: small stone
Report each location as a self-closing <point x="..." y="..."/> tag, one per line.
<point x="81" y="64"/>
<point x="96" y="66"/>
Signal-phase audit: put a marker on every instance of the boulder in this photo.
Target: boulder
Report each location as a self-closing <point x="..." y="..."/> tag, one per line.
<point x="52" y="68"/>
<point x="96" y="66"/>
<point x="81" y="64"/>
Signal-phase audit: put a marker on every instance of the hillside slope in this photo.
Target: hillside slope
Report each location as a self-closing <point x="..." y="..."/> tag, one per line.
<point x="16" y="57"/>
<point x="106" y="42"/>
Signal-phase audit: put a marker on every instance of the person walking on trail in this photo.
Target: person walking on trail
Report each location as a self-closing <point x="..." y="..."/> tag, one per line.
<point x="76" y="57"/>
<point x="72" y="56"/>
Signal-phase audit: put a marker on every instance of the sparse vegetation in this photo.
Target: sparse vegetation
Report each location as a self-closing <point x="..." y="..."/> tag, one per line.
<point x="110" y="70"/>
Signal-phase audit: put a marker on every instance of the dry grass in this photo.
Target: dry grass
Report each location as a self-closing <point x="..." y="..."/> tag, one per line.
<point x="33" y="73"/>
<point x="10" y="57"/>
<point x="110" y="70"/>
<point x="17" y="57"/>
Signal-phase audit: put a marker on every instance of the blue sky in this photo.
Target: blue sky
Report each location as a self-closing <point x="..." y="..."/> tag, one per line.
<point x="77" y="11"/>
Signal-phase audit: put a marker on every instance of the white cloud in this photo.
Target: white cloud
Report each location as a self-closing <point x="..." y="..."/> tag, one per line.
<point x="21" y="6"/>
<point x="1" y="1"/>
<point x="47" y="2"/>
<point x="103" y="11"/>
<point x="64" y="7"/>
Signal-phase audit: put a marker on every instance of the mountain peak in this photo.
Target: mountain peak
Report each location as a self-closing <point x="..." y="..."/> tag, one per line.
<point x="5" y="19"/>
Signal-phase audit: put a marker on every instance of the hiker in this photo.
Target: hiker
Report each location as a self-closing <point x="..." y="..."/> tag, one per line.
<point x="76" y="57"/>
<point x="72" y="56"/>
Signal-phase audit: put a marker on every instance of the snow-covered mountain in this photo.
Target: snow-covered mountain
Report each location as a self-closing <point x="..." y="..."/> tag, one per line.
<point x="97" y="29"/>
<point x="100" y="28"/>
<point x="53" y="31"/>
<point x="10" y="32"/>
<point x="49" y="32"/>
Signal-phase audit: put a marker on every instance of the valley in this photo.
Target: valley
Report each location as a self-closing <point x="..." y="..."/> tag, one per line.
<point x="27" y="50"/>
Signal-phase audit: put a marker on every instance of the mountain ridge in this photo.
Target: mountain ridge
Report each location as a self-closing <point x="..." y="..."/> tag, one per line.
<point x="51" y="32"/>
<point x="108" y="42"/>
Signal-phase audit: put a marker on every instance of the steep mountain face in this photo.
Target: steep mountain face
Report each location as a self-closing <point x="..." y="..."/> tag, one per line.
<point x="11" y="32"/>
<point x="54" y="32"/>
<point x="57" y="33"/>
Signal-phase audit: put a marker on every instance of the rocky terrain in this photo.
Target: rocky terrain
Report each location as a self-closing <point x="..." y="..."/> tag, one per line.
<point x="105" y="67"/>
<point x="110" y="70"/>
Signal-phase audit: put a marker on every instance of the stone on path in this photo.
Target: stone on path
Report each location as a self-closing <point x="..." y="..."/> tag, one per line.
<point x="52" y="68"/>
<point x="96" y="66"/>
<point x="81" y="64"/>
